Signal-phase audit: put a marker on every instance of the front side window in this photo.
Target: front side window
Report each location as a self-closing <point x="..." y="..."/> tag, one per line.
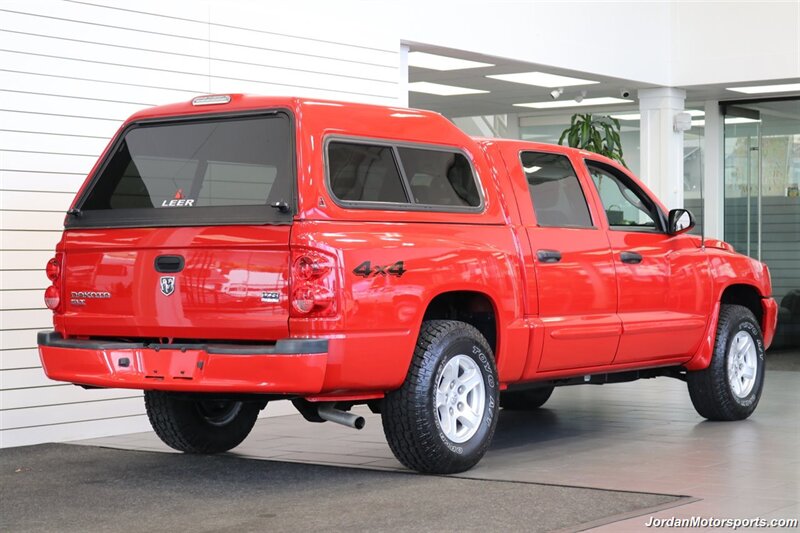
<point x="558" y="199"/>
<point x="626" y="207"/>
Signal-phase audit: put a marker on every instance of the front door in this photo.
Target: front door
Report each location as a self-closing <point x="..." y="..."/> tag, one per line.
<point x="577" y="292"/>
<point x="663" y="280"/>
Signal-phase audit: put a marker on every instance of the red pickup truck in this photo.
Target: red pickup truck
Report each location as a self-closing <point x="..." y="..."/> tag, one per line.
<point x="234" y="250"/>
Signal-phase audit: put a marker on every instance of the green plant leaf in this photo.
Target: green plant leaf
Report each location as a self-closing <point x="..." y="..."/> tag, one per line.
<point x="599" y="134"/>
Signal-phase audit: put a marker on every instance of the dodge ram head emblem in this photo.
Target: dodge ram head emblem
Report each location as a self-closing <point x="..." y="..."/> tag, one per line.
<point x="167" y="285"/>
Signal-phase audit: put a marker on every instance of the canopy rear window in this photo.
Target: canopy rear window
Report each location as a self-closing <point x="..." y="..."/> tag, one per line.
<point x="189" y="172"/>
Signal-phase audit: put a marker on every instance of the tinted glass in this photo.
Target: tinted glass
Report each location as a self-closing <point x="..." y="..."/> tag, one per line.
<point x="555" y="190"/>
<point x="364" y="173"/>
<point x="241" y="162"/>
<point x="624" y="206"/>
<point x="440" y="178"/>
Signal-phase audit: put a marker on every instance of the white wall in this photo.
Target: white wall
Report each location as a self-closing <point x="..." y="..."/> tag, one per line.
<point x="69" y="74"/>
<point x="668" y="43"/>
<point x="714" y="42"/>
<point x="628" y="40"/>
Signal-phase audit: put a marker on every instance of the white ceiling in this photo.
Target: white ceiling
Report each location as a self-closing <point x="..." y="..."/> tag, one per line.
<point x="503" y="94"/>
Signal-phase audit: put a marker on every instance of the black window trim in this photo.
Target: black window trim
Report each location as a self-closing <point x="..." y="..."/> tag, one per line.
<point x="409" y="205"/>
<point x="594" y="225"/>
<point x="628" y="182"/>
<point x="251" y="215"/>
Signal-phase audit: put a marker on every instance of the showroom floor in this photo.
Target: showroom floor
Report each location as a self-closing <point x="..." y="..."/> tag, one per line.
<point x="642" y="436"/>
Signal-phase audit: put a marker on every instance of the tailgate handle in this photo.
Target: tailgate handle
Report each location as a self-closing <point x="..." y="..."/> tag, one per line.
<point x="169" y="263"/>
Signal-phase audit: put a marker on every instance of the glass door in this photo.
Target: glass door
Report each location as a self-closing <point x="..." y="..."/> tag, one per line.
<point x="762" y="198"/>
<point x="743" y="180"/>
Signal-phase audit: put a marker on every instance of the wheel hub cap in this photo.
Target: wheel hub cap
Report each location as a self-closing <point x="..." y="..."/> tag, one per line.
<point x="742" y="364"/>
<point x="460" y="398"/>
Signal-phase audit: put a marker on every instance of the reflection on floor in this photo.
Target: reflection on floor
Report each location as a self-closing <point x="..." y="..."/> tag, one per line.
<point x="642" y="436"/>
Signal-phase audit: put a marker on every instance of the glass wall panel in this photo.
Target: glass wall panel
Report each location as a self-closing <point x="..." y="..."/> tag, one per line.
<point x="762" y="199"/>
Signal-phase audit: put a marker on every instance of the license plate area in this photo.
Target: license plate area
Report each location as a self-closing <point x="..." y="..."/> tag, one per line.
<point x="171" y="364"/>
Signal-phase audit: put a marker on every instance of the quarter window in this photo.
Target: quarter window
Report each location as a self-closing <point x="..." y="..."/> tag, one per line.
<point x="440" y="178"/>
<point x="626" y="207"/>
<point x="558" y="199"/>
<point x="364" y="173"/>
<point x="405" y="176"/>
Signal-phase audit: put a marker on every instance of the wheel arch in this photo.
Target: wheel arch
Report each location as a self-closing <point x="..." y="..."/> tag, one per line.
<point x="474" y="307"/>
<point x="746" y="295"/>
<point x="735" y="293"/>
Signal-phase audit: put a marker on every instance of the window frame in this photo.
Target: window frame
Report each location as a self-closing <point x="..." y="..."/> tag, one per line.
<point x="219" y="216"/>
<point x="626" y="180"/>
<point x="592" y="219"/>
<point x="410" y="204"/>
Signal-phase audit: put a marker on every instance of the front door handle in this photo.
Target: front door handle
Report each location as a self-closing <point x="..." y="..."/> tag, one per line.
<point x="632" y="258"/>
<point x="549" y="256"/>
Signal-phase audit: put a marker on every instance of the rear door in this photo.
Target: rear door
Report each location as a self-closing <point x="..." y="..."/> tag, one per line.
<point x="176" y="236"/>
<point x="663" y="280"/>
<point x="577" y="290"/>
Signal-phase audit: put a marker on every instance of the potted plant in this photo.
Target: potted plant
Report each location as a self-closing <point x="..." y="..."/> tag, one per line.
<point x="598" y="134"/>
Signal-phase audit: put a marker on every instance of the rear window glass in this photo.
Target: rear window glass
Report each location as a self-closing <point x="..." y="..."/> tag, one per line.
<point x="439" y="178"/>
<point x="364" y="173"/>
<point x="197" y="164"/>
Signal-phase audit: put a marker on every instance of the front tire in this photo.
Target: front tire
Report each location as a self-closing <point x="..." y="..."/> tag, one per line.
<point x="199" y="426"/>
<point x="729" y="389"/>
<point x="441" y="421"/>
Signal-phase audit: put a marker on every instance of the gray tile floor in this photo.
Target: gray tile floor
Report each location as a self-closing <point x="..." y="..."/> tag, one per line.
<point x="642" y="436"/>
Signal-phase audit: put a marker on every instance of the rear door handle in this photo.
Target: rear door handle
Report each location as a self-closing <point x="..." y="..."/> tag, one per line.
<point x="549" y="256"/>
<point x="632" y="258"/>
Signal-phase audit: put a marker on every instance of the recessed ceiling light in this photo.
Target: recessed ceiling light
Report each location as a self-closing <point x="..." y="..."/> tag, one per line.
<point x="605" y="100"/>
<point x="638" y="116"/>
<point x="730" y="120"/>
<point x="441" y="90"/>
<point x="629" y="116"/>
<point x="541" y="79"/>
<point x="437" y="62"/>
<point x="780" y="88"/>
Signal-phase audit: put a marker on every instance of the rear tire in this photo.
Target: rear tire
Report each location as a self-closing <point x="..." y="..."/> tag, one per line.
<point x="441" y="421"/>
<point x="199" y="426"/>
<point x="525" y="400"/>
<point x="729" y="389"/>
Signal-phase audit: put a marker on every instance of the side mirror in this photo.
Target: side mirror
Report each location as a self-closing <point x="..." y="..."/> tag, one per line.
<point x="680" y="221"/>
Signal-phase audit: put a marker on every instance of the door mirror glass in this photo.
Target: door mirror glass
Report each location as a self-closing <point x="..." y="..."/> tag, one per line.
<point x="680" y="221"/>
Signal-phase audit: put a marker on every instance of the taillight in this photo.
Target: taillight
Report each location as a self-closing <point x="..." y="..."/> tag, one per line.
<point x="313" y="284"/>
<point x="53" y="269"/>
<point x="52" y="295"/>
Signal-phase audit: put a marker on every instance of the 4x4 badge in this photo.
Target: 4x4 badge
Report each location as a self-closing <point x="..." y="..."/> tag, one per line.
<point x="167" y="285"/>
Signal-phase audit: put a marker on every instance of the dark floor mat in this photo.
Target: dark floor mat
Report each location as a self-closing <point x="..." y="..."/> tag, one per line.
<point x="60" y="487"/>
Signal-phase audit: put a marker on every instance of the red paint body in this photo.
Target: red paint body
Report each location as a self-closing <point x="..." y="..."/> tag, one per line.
<point x="587" y="314"/>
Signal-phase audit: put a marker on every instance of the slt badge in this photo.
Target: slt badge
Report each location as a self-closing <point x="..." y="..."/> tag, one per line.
<point x="167" y="285"/>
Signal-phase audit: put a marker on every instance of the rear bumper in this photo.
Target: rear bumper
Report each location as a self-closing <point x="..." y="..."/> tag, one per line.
<point x="291" y="366"/>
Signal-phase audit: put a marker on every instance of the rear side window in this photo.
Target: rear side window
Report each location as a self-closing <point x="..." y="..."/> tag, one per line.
<point x="558" y="199"/>
<point x="364" y="173"/>
<point x="191" y="165"/>
<point x="439" y="178"/>
<point x="401" y="175"/>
